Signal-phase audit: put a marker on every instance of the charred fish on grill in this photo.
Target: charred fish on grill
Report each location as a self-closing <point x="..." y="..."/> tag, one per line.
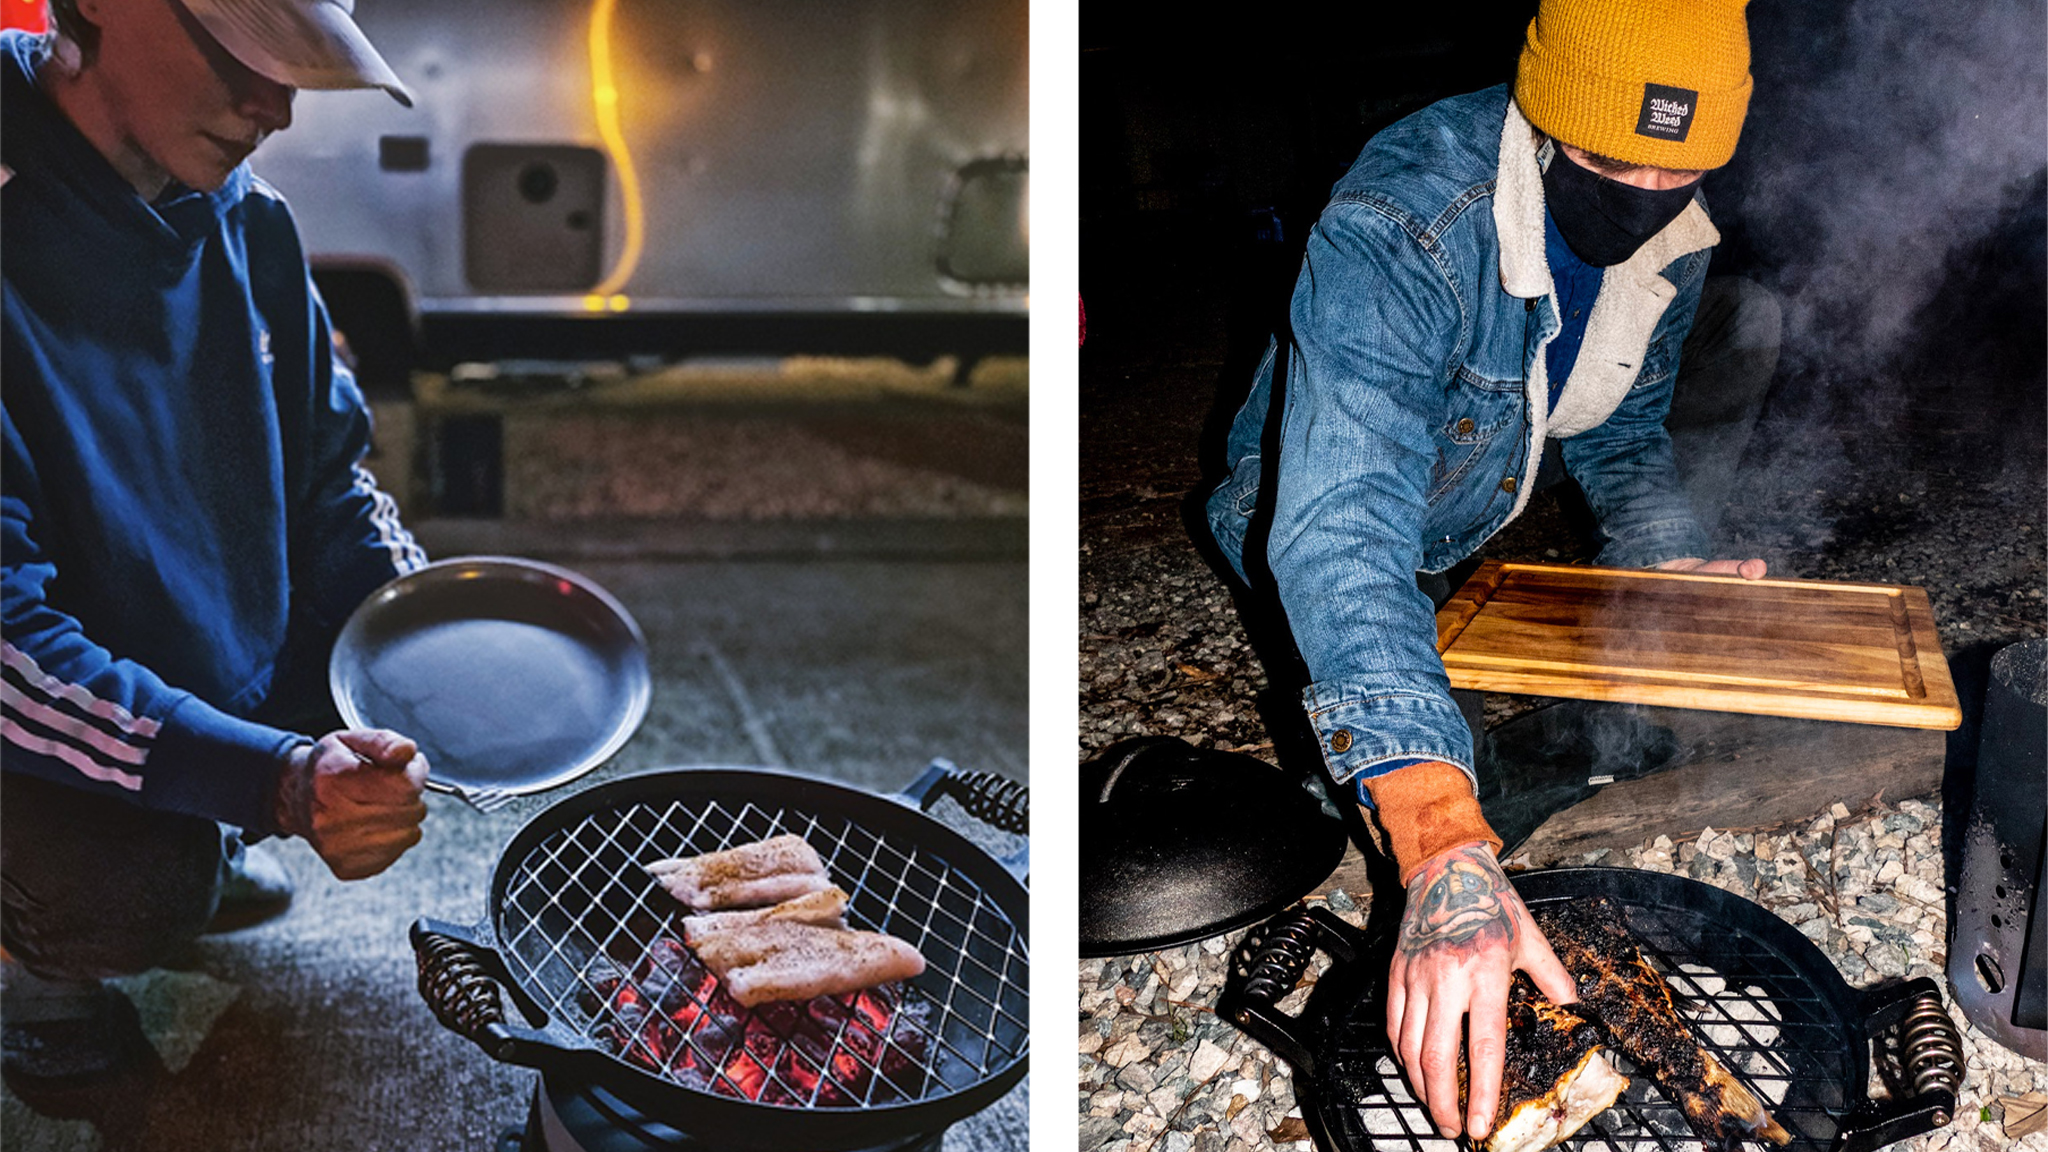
<point x="1554" y="1078"/>
<point x="1634" y="1004"/>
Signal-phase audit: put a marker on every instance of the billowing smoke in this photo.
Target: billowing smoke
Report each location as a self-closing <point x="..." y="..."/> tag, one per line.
<point x="1894" y="152"/>
<point x="1913" y="134"/>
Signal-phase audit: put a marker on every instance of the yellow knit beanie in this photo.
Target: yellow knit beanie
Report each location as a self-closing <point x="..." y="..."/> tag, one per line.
<point x="1658" y="82"/>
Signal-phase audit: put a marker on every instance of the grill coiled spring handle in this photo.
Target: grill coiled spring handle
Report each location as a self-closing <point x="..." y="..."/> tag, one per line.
<point x="1929" y="1048"/>
<point x="460" y="989"/>
<point x="1919" y="1056"/>
<point x="992" y="799"/>
<point x="999" y="802"/>
<point x="1269" y="964"/>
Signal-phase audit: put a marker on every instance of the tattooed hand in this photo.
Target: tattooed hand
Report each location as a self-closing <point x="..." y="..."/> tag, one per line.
<point x="1463" y="934"/>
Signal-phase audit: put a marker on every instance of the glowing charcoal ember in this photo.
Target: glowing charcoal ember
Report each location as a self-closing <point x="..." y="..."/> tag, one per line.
<point x="872" y="1011"/>
<point x="745" y="1075"/>
<point x="671" y="1016"/>
<point x="796" y="1029"/>
<point x="600" y="979"/>
<point x="715" y="1037"/>
<point x="639" y="1034"/>
<point x="671" y="977"/>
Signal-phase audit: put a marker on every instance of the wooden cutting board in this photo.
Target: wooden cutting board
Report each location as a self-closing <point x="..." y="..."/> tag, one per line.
<point x="1866" y="653"/>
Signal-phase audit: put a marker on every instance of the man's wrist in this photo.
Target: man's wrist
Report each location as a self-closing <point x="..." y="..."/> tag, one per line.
<point x="291" y="809"/>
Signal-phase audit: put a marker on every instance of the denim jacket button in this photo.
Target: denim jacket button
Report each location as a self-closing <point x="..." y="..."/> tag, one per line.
<point x="1466" y="426"/>
<point x="1507" y="483"/>
<point x="1340" y="741"/>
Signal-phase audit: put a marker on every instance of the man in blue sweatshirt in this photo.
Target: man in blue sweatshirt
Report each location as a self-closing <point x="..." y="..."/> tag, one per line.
<point x="187" y="522"/>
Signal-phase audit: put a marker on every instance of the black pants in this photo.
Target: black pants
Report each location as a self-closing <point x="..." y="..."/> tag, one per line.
<point x="93" y="887"/>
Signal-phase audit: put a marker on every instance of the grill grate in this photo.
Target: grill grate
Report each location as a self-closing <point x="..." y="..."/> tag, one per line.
<point x="1760" y="1015"/>
<point x="579" y="911"/>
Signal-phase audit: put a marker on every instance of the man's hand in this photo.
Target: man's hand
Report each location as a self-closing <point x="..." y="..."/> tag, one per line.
<point x="355" y="797"/>
<point x="1463" y="934"/>
<point x="1747" y="569"/>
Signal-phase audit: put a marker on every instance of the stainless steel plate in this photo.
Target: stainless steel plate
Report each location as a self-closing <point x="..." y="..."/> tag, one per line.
<point x="510" y="674"/>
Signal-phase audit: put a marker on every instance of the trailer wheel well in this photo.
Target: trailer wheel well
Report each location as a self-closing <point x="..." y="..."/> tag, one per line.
<point x="372" y="309"/>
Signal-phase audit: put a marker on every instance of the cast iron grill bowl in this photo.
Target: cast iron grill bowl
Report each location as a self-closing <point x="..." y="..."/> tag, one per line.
<point x="1759" y="995"/>
<point x="572" y="909"/>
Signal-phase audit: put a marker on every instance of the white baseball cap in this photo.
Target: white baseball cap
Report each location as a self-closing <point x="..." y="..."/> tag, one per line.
<point x="303" y="43"/>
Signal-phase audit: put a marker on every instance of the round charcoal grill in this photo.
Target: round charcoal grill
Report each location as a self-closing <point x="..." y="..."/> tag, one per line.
<point x="572" y="911"/>
<point x="1757" y="994"/>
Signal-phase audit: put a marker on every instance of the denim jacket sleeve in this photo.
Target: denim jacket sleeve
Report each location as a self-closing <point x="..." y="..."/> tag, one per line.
<point x="1376" y="319"/>
<point x="1625" y="465"/>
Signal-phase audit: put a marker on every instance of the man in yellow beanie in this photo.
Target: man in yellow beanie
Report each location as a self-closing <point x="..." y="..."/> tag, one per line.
<point x="1496" y="295"/>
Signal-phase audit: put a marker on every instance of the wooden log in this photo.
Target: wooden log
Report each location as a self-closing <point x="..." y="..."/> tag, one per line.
<point x="1740" y="771"/>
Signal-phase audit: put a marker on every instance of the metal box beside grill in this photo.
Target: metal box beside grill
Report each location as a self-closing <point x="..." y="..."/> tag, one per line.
<point x="1997" y="967"/>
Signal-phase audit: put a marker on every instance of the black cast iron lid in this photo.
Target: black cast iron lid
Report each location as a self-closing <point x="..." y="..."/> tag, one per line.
<point x="1181" y="843"/>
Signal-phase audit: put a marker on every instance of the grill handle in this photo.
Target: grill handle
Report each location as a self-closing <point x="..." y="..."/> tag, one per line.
<point x="1268" y="965"/>
<point x="455" y="982"/>
<point x="997" y="801"/>
<point x="1918" y="1054"/>
<point x="461" y="978"/>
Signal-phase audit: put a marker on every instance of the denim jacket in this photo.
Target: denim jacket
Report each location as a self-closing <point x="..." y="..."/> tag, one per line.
<point x="1415" y="408"/>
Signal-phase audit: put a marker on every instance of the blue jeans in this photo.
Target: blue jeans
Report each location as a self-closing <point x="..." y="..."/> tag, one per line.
<point x="92" y="887"/>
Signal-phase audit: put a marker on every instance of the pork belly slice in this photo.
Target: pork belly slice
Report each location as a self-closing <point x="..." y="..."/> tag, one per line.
<point x="790" y="960"/>
<point x="1553" y="1078"/>
<point x="1633" y="1001"/>
<point x="748" y="876"/>
<point x="826" y="909"/>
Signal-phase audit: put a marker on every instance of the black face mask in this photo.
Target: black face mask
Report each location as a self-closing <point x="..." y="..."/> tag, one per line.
<point x="1602" y="220"/>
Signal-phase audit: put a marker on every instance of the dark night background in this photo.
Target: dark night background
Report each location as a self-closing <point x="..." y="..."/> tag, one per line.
<point x="1208" y="147"/>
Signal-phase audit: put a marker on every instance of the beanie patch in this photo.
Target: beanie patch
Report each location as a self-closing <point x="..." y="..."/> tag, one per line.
<point x="1667" y="112"/>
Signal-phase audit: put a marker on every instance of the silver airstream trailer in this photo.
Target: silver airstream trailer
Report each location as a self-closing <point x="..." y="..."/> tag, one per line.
<point x="659" y="175"/>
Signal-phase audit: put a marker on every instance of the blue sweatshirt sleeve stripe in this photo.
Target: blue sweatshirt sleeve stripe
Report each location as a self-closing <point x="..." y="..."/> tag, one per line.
<point x="46" y="716"/>
<point x="391" y="534"/>
<point x="347" y="536"/>
<point x="73" y="713"/>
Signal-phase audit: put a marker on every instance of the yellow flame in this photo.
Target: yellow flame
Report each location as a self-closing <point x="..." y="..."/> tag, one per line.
<point x="604" y="97"/>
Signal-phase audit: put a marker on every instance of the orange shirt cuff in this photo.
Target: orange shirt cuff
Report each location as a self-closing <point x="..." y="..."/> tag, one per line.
<point x="1425" y="809"/>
